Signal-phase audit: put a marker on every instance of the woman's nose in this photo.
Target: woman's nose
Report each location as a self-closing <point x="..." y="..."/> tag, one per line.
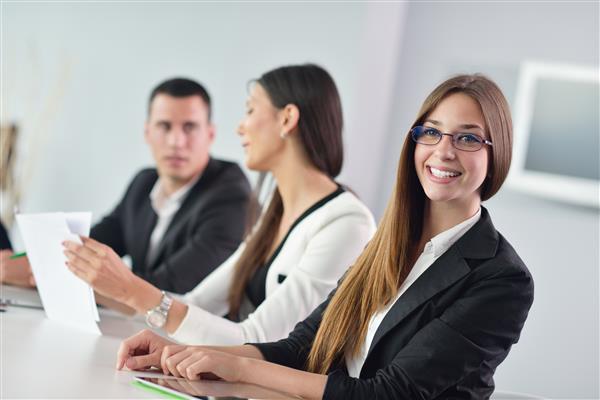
<point x="445" y="148"/>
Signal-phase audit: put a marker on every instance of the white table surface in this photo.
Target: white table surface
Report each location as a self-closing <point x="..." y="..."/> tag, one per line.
<point x="47" y="359"/>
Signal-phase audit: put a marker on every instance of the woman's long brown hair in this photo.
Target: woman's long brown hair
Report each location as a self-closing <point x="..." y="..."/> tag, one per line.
<point x="311" y="89"/>
<point x="379" y="271"/>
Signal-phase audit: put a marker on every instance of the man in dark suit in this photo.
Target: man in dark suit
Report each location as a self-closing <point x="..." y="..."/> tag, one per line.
<point x="182" y="219"/>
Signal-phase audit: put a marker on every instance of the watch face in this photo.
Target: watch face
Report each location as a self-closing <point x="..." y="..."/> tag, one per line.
<point x="156" y="319"/>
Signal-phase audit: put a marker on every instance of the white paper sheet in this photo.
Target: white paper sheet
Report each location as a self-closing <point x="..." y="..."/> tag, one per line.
<point x="65" y="297"/>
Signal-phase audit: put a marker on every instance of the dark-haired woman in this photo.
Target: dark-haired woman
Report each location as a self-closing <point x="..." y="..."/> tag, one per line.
<point x="438" y="297"/>
<point x="310" y="233"/>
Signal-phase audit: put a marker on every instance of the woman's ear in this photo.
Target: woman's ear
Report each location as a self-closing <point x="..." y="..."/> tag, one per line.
<point x="291" y="116"/>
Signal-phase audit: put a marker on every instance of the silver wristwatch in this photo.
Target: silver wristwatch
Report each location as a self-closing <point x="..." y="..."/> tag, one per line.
<point x="157" y="317"/>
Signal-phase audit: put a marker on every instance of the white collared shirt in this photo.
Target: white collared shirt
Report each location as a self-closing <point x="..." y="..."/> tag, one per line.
<point x="437" y="246"/>
<point x="165" y="207"/>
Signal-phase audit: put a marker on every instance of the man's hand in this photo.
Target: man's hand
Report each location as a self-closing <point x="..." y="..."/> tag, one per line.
<point x="16" y="271"/>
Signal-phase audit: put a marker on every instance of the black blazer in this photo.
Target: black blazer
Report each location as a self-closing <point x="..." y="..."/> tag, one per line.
<point x="445" y="336"/>
<point x="204" y="232"/>
<point x="4" y="240"/>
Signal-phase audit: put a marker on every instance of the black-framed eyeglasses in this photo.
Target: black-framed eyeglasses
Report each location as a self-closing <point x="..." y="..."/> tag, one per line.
<point x="461" y="141"/>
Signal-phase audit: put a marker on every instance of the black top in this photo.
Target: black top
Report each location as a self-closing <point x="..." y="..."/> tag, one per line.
<point x="4" y="240"/>
<point x="445" y="336"/>
<point x="203" y="233"/>
<point x="257" y="285"/>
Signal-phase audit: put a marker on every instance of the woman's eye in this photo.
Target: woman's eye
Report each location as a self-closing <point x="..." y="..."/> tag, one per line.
<point x="249" y="111"/>
<point x="468" y="138"/>
<point x="430" y="132"/>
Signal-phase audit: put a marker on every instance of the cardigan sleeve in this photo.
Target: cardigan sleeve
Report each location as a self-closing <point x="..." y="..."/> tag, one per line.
<point x="479" y="327"/>
<point x="210" y="296"/>
<point x="328" y="254"/>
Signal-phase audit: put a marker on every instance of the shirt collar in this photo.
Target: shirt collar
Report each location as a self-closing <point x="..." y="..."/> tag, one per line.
<point x="442" y="242"/>
<point x="160" y="200"/>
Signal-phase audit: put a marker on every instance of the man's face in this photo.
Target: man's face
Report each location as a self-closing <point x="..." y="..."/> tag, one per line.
<point x="179" y="134"/>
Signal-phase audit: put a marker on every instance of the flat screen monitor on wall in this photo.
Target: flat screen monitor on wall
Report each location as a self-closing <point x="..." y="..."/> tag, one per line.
<point x="557" y="133"/>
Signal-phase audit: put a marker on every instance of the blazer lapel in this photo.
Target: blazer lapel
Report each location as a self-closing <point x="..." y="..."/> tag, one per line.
<point x="190" y="200"/>
<point x="479" y="242"/>
<point x="444" y="272"/>
<point x="149" y="218"/>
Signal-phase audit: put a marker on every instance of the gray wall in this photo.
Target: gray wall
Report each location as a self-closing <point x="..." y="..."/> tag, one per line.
<point x="93" y="66"/>
<point x="77" y="76"/>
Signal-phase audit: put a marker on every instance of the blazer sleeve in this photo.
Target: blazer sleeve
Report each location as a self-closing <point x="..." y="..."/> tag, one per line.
<point x="293" y="351"/>
<point x="216" y="236"/>
<point x="327" y="256"/>
<point x="480" y="327"/>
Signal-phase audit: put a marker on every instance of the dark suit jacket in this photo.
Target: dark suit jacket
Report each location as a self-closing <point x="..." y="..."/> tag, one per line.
<point x="204" y="232"/>
<point x="4" y="240"/>
<point x="444" y="338"/>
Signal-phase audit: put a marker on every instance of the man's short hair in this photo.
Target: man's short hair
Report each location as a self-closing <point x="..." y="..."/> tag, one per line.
<point x="181" y="87"/>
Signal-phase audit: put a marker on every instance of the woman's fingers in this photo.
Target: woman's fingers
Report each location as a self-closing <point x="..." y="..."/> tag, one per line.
<point x="100" y="249"/>
<point x="79" y="271"/>
<point x="172" y="361"/>
<point x="143" y="361"/>
<point x="167" y="352"/>
<point x="182" y="366"/>
<point x="138" y="343"/>
<point x="84" y="253"/>
<point x="200" y="364"/>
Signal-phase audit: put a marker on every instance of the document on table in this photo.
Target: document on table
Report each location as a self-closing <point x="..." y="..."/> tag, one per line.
<point x="65" y="297"/>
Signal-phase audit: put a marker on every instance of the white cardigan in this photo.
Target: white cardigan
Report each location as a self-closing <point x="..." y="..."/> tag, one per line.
<point x="316" y="254"/>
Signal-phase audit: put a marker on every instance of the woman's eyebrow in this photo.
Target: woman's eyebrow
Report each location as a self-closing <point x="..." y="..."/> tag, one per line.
<point x="471" y="126"/>
<point x="463" y="126"/>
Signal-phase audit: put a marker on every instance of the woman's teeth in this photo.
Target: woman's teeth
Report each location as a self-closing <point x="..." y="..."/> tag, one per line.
<point x="443" y="174"/>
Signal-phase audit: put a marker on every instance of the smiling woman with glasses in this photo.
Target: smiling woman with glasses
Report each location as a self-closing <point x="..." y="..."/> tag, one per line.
<point x="437" y="298"/>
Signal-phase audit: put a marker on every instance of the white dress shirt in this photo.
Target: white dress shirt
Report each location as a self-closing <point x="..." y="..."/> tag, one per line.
<point x="316" y="254"/>
<point x="433" y="250"/>
<point x="165" y="206"/>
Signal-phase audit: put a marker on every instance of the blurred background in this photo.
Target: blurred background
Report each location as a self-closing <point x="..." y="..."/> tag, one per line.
<point x="75" y="80"/>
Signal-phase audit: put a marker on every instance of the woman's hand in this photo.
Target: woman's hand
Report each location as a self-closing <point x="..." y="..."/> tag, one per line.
<point x="98" y="265"/>
<point x="143" y="350"/>
<point x="198" y="362"/>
